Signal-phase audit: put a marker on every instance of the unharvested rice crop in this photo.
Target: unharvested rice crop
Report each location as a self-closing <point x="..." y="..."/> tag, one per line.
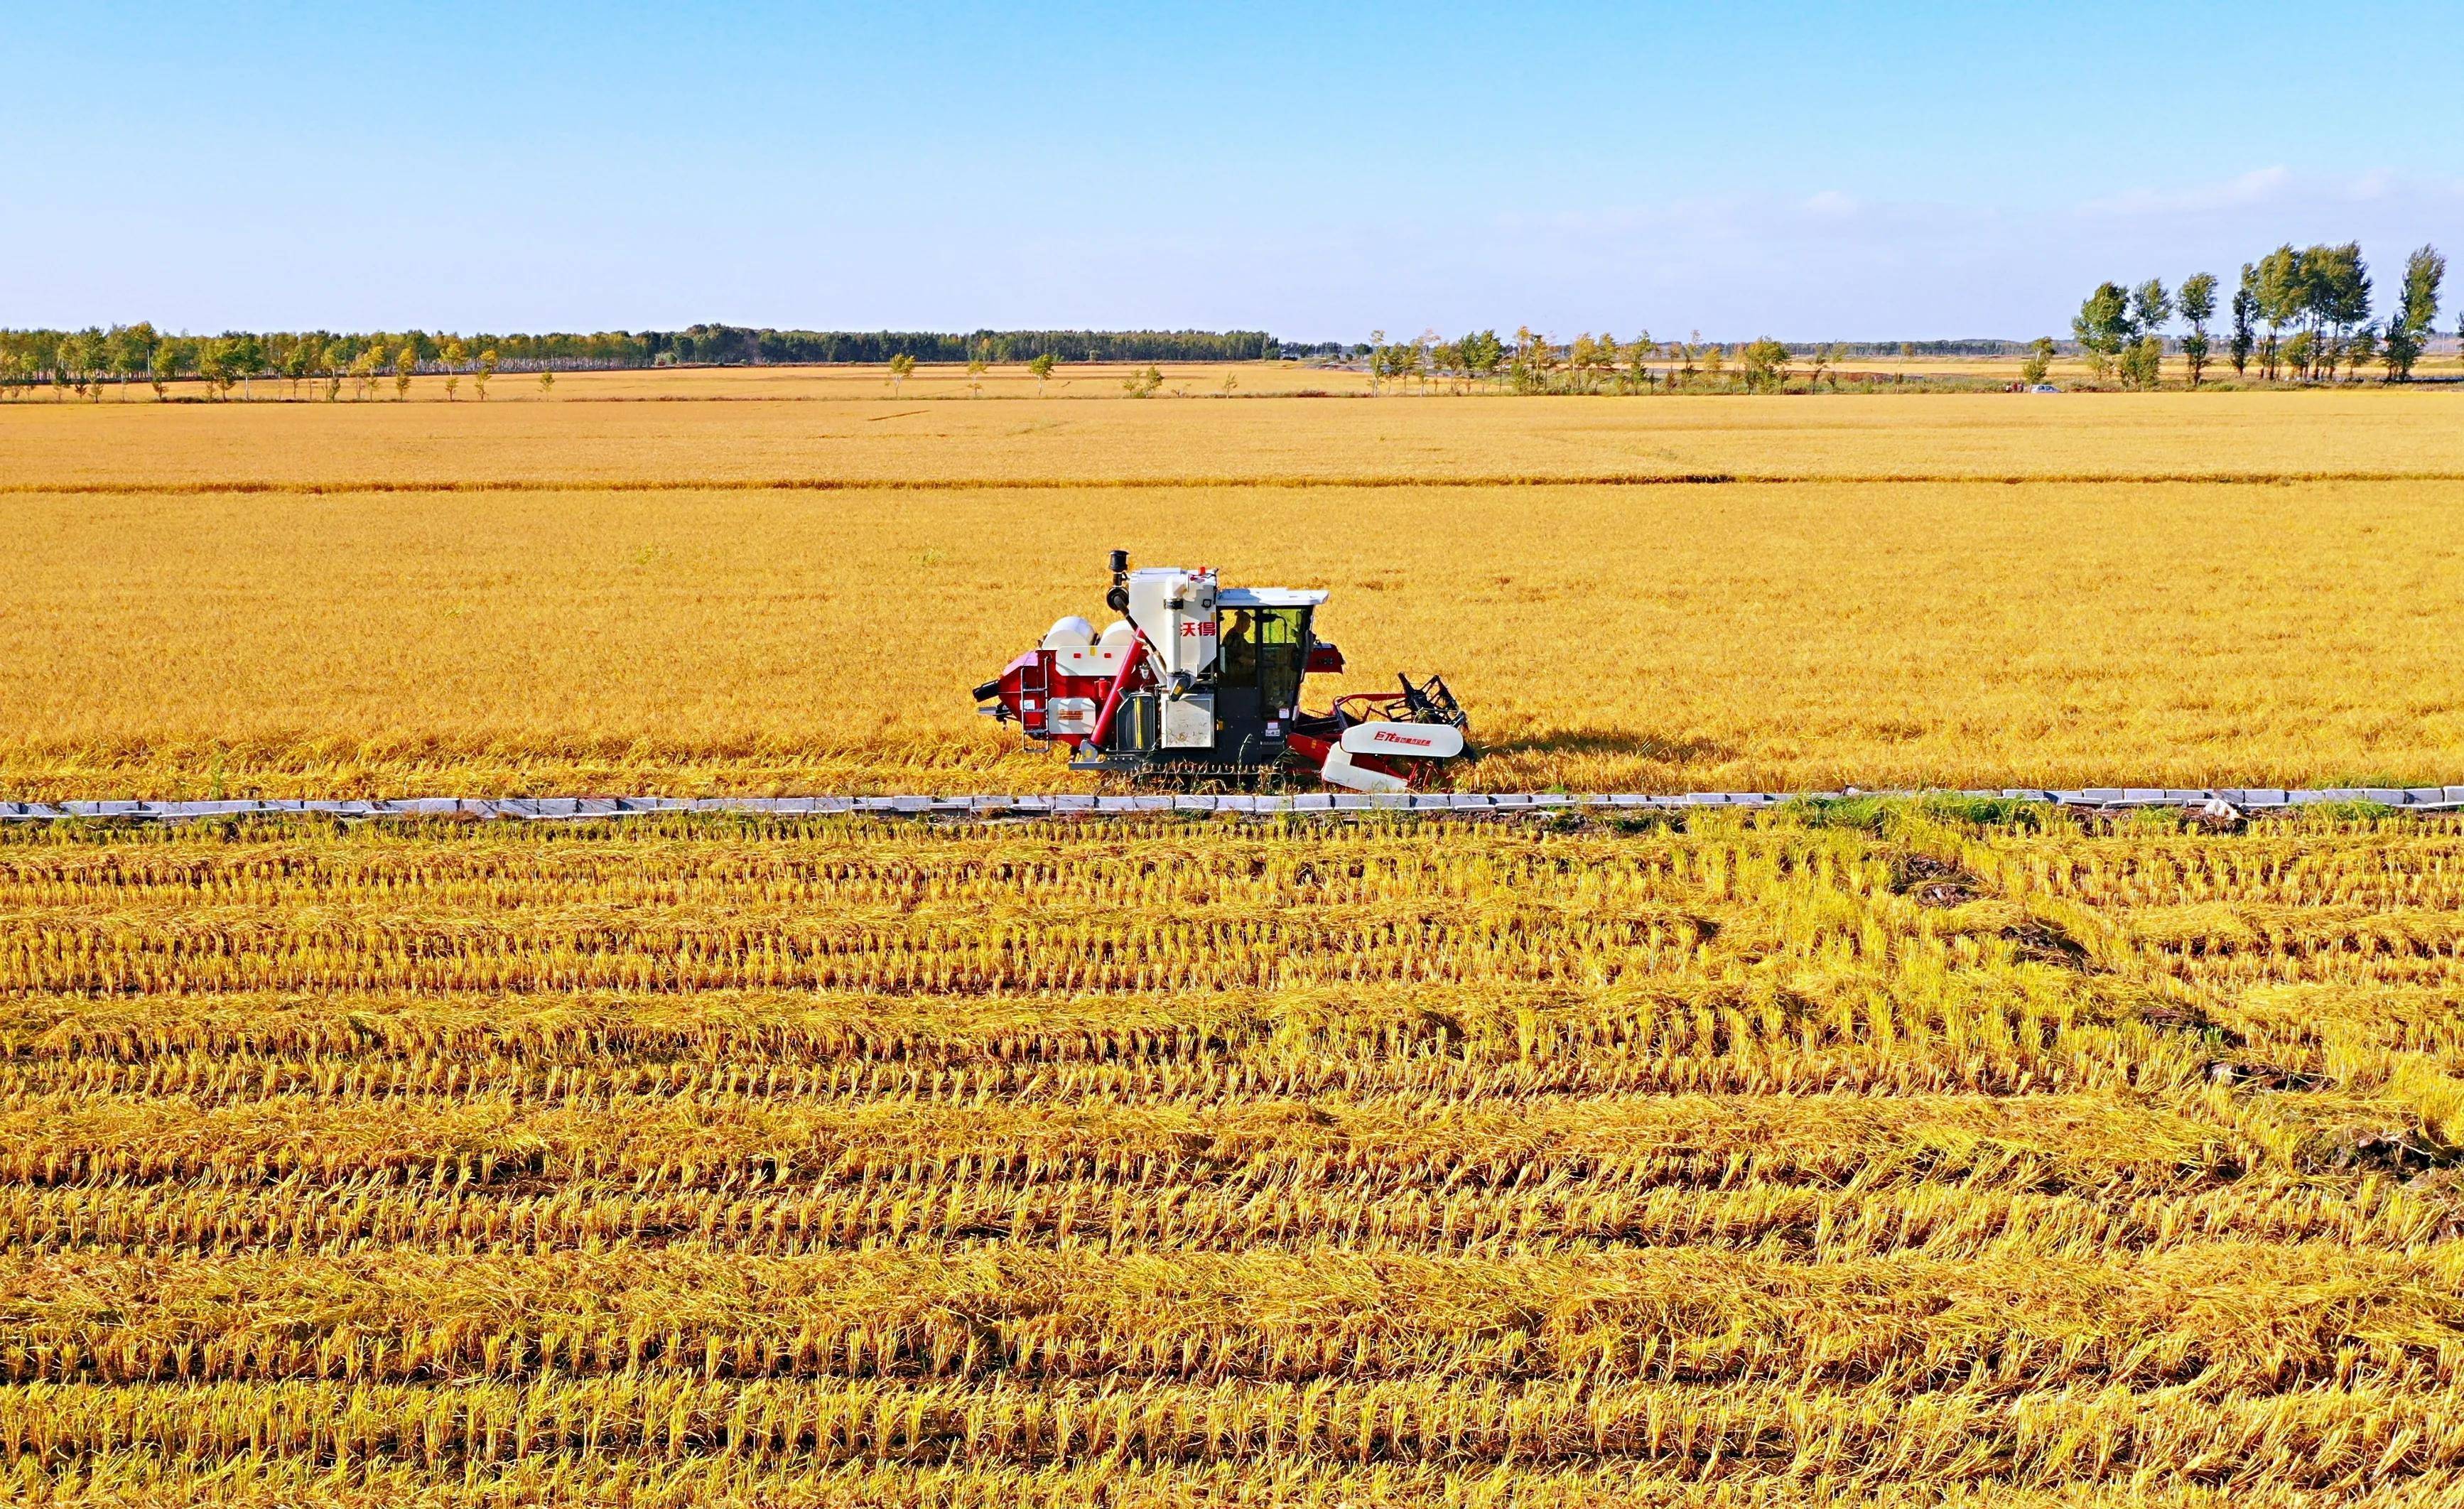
<point x="713" y="430"/>
<point x="730" y="594"/>
<point x="1862" y="1155"/>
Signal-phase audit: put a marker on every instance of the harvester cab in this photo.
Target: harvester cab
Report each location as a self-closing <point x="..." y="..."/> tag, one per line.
<point x="1195" y="681"/>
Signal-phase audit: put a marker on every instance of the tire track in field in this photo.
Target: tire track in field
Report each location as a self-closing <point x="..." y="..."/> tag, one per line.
<point x="1295" y="481"/>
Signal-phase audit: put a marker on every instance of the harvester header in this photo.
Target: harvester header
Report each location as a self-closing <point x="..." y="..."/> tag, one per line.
<point x="1195" y="681"/>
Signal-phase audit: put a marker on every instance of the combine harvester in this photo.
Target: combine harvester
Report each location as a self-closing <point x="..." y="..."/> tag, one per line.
<point x="1197" y="683"/>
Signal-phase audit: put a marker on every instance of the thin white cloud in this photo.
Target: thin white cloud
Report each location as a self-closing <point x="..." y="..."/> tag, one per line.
<point x="2259" y="186"/>
<point x="2376" y="184"/>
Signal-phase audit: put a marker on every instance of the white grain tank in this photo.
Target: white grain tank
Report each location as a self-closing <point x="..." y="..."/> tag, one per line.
<point x="1177" y="610"/>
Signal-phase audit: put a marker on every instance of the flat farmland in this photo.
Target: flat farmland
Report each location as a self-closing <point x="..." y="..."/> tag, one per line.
<point x="1878" y="1153"/>
<point x="713" y="426"/>
<point x="721" y="593"/>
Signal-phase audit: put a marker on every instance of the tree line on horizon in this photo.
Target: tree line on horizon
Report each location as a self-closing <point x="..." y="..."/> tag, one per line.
<point x="734" y="346"/>
<point x="1532" y="362"/>
<point x="2306" y="311"/>
<point x="2303" y="310"/>
<point x="87" y="362"/>
<point x="91" y="360"/>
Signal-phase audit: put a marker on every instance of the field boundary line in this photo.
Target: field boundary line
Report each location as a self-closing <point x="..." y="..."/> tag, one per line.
<point x="1616" y="479"/>
<point x="2240" y="800"/>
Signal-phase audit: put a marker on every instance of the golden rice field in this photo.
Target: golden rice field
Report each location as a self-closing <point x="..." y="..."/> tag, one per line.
<point x="1883" y="1154"/>
<point x="1878" y="1157"/>
<point x="784" y="581"/>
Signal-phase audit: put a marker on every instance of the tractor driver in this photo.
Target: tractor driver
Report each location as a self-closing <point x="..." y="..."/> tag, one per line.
<point x="1236" y="653"/>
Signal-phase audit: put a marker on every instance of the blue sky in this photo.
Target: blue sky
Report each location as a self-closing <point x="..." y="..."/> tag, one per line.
<point x="1811" y="171"/>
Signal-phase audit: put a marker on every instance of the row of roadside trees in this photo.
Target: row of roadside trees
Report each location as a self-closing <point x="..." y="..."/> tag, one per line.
<point x="102" y="358"/>
<point x="1531" y="362"/>
<point x="2303" y="315"/>
<point x="93" y="362"/>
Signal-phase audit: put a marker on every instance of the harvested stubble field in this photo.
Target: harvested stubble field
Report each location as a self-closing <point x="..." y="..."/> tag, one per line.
<point x="1870" y="1155"/>
<point x="727" y="594"/>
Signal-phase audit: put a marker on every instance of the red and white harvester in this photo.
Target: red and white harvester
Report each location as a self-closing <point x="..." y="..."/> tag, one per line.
<point x="1196" y="681"/>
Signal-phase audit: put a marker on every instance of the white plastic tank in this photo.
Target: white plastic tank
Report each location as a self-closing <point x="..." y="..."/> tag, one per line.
<point x="1120" y="633"/>
<point x="1070" y="633"/>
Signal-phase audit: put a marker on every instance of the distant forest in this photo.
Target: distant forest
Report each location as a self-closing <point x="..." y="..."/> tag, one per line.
<point x="139" y="352"/>
<point x="736" y="345"/>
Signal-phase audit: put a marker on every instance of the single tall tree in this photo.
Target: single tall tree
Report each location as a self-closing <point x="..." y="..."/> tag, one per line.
<point x="83" y="356"/>
<point x="132" y="347"/>
<point x="2102" y="326"/>
<point x="1483" y="354"/>
<point x="2039" y="364"/>
<point x="1766" y="363"/>
<point x="111" y="357"/>
<point x="2198" y="307"/>
<point x="1535" y="358"/>
<point x="2245" y="312"/>
<point x="2151" y="308"/>
<point x="2282" y="296"/>
<point x="298" y="360"/>
<point x="2416" y="314"/>
<point x="247" y="357"/>
<point x="329" y="367"/>
<point x="171" y="357"/>
<point x="220" y="362"/>
<point x="2337" y="282"/>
